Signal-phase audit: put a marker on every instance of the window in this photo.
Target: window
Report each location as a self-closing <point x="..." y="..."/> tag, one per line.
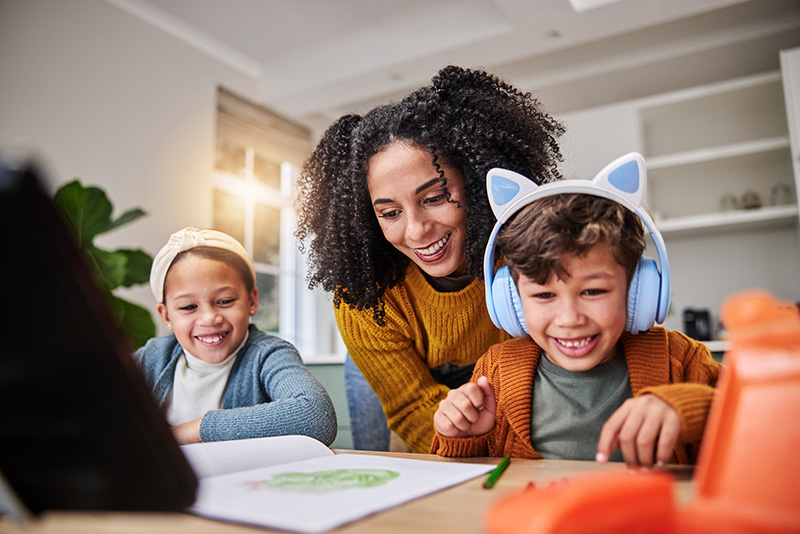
<point x="258" y="155"/>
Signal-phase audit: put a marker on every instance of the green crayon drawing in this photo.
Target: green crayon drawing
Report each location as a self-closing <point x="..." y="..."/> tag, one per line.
<point x="331" y="480"/>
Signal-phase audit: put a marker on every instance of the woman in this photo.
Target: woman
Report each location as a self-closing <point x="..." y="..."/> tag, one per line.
<point x="394" y="211"/>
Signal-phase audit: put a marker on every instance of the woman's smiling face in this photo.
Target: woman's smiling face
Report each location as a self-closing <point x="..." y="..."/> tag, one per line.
<point x="417" y="215"/>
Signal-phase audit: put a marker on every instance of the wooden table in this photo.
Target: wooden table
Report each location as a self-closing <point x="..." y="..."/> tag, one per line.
<point x="457" y="509"/>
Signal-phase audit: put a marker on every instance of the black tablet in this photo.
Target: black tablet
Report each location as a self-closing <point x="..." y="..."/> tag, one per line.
<point x="79" y="428"/>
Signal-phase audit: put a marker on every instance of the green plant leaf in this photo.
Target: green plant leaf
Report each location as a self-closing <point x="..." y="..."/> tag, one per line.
<point x="87" y="208"/>
<point x="127" y="217"/>
<point x="88" y="211"/>
<point x="112" y="266"/>
<point x="137" y="267"/>
<point x="136" y="321"/>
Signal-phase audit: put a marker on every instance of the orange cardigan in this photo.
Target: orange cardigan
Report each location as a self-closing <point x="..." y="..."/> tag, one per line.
<point x="677" y="369"/>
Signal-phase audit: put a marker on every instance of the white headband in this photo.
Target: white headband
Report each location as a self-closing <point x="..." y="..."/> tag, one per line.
<point x="186" y="239"/>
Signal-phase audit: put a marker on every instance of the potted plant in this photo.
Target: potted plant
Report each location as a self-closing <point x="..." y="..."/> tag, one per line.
<point x="89" y="212"/>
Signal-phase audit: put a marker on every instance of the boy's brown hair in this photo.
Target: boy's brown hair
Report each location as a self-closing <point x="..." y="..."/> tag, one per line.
<point x="536" y="239"/>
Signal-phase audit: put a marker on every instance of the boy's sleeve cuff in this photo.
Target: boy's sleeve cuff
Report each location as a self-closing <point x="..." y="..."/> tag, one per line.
<point x="460" y="447"/>
<point x="691" y="401"/>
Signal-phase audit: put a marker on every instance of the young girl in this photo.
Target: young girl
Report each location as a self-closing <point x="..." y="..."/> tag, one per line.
<point x="393" y="207"/>
<point x="217" y="377"/>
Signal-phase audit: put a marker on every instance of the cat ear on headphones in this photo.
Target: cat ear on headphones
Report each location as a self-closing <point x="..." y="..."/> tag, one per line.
<point x="625" y="177"/>
<point x="504" y="188"/>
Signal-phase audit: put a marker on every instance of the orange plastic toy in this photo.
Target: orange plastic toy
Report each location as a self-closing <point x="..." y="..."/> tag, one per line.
<point x="747" y="477"/>
<point x="615" y="501"/>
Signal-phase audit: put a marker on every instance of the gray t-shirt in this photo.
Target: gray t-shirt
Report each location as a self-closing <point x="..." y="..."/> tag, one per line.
<point x="570" y="407"/>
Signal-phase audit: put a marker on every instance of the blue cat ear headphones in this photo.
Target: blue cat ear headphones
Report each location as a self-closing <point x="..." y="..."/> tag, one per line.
<point x="623" y="181"/>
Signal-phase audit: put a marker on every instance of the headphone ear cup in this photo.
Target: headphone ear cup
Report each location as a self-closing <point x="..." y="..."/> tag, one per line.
<point x="507" y="304"/>
<point x="643" y="296"/>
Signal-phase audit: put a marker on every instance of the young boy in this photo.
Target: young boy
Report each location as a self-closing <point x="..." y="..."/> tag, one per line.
<point x="579" y="386"/>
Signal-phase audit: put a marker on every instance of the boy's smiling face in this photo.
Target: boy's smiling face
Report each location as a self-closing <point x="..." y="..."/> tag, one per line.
<point x="578" y="321"/>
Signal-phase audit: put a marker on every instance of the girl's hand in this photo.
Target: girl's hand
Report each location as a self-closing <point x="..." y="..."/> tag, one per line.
<point x="467" y="411"/>
<point x="640" y="427"/>
<point x="188" y="432"/>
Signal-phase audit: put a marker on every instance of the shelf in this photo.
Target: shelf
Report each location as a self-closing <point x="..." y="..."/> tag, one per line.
<point x="702" y="91"/>
<point x="717" y="153"/>
<point x="714" y="122"/>
<point x="727" y="219"/>
<point x="323" y="359"/>
<point x="718" y="345"/>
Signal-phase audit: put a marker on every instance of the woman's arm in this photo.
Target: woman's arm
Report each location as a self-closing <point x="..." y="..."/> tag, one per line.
<point x="404" y="385"/>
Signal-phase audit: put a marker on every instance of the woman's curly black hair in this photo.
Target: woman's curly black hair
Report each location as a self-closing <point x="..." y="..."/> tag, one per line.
<point x="469" y="119"/>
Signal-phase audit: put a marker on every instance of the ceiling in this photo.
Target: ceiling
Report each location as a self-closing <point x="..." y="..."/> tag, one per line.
<point x="318" y="59"/>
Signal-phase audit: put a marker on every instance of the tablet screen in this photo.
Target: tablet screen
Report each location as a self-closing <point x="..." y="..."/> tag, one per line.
<point x="79" y="429"/>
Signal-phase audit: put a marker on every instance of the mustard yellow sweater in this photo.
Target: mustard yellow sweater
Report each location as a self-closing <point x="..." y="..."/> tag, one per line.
<point x="424" y="328"/>
<point x="677" y="369"/>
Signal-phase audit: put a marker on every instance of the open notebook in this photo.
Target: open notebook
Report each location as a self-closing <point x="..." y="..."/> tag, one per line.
<point x="295" y="483"/>
<point x="79" y="429"/>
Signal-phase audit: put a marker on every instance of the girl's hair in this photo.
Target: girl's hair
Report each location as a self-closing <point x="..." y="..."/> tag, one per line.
<point x="218" y="254"/>
<point x="538" y="238"/>
<point x="469" y="119"/>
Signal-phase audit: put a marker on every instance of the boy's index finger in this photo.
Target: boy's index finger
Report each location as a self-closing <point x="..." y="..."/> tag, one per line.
<point x="483" y="383"/>
<point x="488" y="393"/>
<point x="608" y="441"/>
<point x="474" y="393"/>
<point x="606" y="444"/>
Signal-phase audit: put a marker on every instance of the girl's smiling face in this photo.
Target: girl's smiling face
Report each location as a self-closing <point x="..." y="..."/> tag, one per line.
<point x="417" y="215"/>
<point x="208" y="307"/>
<point x="578" y="321"/>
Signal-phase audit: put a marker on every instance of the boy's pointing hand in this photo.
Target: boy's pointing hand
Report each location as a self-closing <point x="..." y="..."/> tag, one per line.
<point x="467" y="411"/>
<point x="646" y="430"/>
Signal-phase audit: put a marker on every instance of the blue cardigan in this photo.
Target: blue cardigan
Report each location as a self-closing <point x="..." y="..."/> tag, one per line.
<point x="270" y="391"/>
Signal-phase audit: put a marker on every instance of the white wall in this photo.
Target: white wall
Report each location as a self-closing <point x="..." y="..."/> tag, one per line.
<point x="594" y="137"/>
<point x="105" y="97"/>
